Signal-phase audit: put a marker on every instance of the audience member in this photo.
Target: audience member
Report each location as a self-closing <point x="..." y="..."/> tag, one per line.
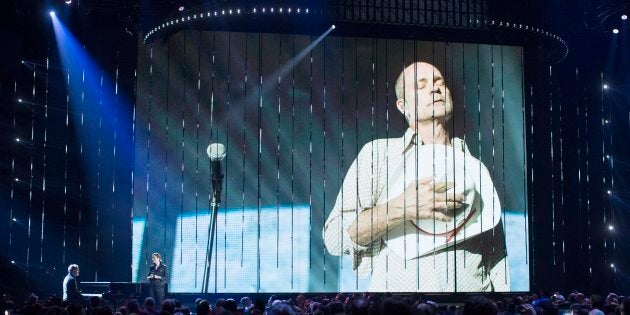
<point x="479" y="305"/>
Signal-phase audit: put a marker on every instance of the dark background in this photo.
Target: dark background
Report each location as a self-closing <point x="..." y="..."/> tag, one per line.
<point x="85" y="222"/>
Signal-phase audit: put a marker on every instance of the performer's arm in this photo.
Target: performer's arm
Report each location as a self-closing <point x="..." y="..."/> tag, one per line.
<point x="422" y="199"/>
<point x="164" y="274"/>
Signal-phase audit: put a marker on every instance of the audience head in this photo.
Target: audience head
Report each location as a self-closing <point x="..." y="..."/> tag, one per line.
<point x="360" y="306"/>
<point x="392" y="305"/>
<point x="424" y="309"/>
<point x="597" y="301"/>
<point x="203" y="307"/>
<point x="246" y="302"/>
<point x="133" y="307"/>
<point x="168" y="305"/>
<point x="612" y="298"/>
<point x="479" y="305"/>
<point x="282" y="308"/>
<point x="230" y="305"/>
<point x="149" y="304"/>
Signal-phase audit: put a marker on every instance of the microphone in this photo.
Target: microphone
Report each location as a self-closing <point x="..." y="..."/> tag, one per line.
<point x="216" y="153"/>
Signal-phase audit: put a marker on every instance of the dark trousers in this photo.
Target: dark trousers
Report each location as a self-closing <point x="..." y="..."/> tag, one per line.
<point x="157" y="291"/>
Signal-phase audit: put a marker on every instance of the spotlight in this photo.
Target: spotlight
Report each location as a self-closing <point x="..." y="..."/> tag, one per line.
<point x="607" y="156"/>
<point x="612" y="265"/>
<point x="333" y="26"/>
<point x="17" y="139"/>
<point x="68" y="2"/>
<point x="181" y="8"/>
<point x="624" y="17"/>
<point x="14" y="220"/>
<point x="605" y="86"/>
<point x="13" y="261"/>
<point x="52" y="13"/>
<point x="17" y="179"/>
<point x="610" y="227"/>
<point x="615" y="31"/>
<point x="609" y="192"/>
<point x="19" y="100"/>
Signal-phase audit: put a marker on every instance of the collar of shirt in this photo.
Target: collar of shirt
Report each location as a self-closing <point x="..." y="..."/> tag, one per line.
<point x="411" y="138"/>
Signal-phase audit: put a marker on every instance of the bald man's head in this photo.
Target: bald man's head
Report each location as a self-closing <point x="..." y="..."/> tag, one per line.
<point x="422" y="93"/>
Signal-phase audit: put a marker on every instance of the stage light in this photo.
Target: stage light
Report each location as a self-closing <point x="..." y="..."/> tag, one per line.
<point x="181" y="8"/>
<point x="610" y="227"/>
<point x="624" y="17"/>
<point x="254" y="10"/>
<point x="609" y="192"/>
<point x="17" y="139"/>
<point x="333" y="26"/>
<point x="612" y="265"/>
<point x="607" y="156"/>
<point x="14" y="220"/>
<point x="52" y="13"/>
<point x="605" y="86"/>
<point x="17" y="179"/>
<point x="68" y="2"/>
<point x="13" y="261"/>
<point x="615" y="31"/>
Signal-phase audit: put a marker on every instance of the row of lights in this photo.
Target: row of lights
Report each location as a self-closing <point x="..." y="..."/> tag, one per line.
<point x="532" y="29"/>
<point x="209" y="14"/>
<point x="605" y="86"/>
<point x="623" y="17"/>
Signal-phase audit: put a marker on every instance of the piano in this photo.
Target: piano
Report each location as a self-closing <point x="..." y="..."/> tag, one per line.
<point x="115" y="292"/>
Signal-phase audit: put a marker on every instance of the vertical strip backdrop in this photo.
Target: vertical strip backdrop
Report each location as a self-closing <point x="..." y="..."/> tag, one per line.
<point x="293" y="119"/>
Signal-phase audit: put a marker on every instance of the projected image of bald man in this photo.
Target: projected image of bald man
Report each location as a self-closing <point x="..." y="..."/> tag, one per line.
<point x="419" y="212"/>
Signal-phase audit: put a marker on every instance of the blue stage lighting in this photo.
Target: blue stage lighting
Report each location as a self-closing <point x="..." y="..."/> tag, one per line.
<point x="52" y="13"/>
<point x="624" y="17"/>
<point x="615" y="31"/>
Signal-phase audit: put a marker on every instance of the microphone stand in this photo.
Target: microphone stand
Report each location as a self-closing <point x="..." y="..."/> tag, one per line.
<point x="215" y="203"/>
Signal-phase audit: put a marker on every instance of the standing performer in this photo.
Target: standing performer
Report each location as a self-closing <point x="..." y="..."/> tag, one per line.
<point x="158" y="278"/>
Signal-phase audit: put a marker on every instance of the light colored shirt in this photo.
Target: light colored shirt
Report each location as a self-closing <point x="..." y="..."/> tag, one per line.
<point x="472" y="259"/>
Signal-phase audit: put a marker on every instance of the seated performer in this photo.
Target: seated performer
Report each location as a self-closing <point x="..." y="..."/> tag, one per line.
<point x="71" y="288"/>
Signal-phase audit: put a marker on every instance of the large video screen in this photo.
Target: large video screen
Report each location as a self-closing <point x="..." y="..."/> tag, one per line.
<point x="352" y="164"/>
